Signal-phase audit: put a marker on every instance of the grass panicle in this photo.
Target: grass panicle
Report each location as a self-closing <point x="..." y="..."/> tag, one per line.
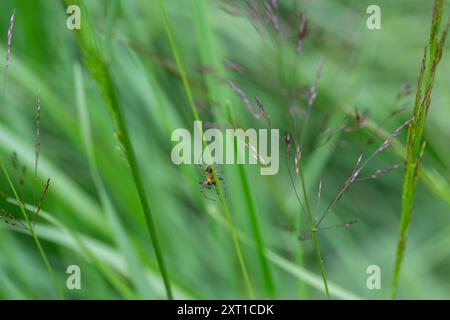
<point x="38" y="135"/>
<point x="304" y="201"/>
<point x="41" y="202"/>
<point x="29" y="222"/>
<point x="8" y="49"/>
<point x="415" y="145"/>
<point x="259" y="112"/>
<point x="359" y="166"/>
<point x="30" y="227"/>
<point x="269" y="10"/>
<point x="301" y="34"/>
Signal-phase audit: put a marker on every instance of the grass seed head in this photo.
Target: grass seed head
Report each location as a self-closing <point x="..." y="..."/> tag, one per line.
<point x="8" y="48"/>
<point x="301" y="33"/>
<point x="270" y="15"/>
<point x="38" y="134"/>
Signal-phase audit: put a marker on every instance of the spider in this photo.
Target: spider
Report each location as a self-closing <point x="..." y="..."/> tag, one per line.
<point x="210" y="181"/>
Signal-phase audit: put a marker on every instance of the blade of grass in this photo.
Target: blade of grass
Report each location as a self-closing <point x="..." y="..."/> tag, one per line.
<point x="101" y="74"/>
<point x="121" y="286"/>
<point x="415" y="143"/>
<point x="10" y="290"/>
<point x="294" y="270"/>
<point x="307" y="209"/>
<point x="314" y="232"/>
<point x="435" y="182"/>
<point x="197" y="118"/>
<point x="310" y="278"/>
<point x="122" y="241"/>
<point x="210" y="56"/>
<point x="61" y="234"/>
<point x="83" y="207"/>
<point x="33" y="233"/>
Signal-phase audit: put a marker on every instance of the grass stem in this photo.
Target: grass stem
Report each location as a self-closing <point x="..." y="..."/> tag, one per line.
<point x="187" y="88"/>
<point x="314" y="232"/>
<point x="33" y="233"/>
<point x="415" y="145"/>
<point x="102" y="76"/>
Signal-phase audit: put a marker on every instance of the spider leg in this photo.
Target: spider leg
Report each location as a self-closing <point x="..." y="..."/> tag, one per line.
<point x="202" y="170"/>
<point x="217" y="191"/>
<point x="202" y="189"/>
<point x="223" y="185"/>
<point x="219" y="169"/>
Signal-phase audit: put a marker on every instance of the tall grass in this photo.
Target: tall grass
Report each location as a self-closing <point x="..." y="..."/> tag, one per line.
<point x="415" y="146"/>
<point x="100" y="72"/>
<point x="314" y="230"/>
<point x="30" y="227"/>
<point x="30" y="222"/>
<point x="92" y="215"/>
<point x="121" y="237"/>
<point x="188" y="90"/>
<point x="211" y="55"/>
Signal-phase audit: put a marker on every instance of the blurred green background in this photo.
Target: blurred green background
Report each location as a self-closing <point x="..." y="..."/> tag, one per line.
<point x="92" y="217"/>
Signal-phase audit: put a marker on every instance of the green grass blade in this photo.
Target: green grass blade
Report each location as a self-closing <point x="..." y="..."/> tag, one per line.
<point x="210" y="55"/>
<point x="298" y="272"/>
<point x="101" y="74"/>
<point x="61" y="234"/>
<point x="196" y="116"/>
<point x="415" y="144"/>
<point x="314" y="233"/>
<point x="33" y="233"/>
<point x="122" y="241"/>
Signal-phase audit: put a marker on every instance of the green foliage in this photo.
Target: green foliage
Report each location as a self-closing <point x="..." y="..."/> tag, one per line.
<point x="101" y="74"/>
<point x="415" y="145"/>
<point x="123" y="66"/>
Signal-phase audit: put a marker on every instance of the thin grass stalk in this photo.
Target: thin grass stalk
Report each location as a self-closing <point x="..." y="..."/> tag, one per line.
<point x="218" y="93"/>
<point x="38" y="134"/>
<point x="187" y="88"/>
<point x="116" y="281"/>
<point x="432" y="179"/>
<point x="299" y="252"/>
<point x="306" y="208"/>
<point x="102" y="76"/>
<point x="254" y="223"/>
<point x="122" y="240"/>
<point x="32" y="231"/>
<point x="300" y="273"/>
<point x="415" y="142"/>
<point x="314" y="232"/>
<point x="257" y="234"/>
<point x="299" y="168"/>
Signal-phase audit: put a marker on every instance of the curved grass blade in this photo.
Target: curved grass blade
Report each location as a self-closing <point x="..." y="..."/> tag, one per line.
<point x="211" y="56"/>
<point x="196" y="116"/>
<point x="101" y="74"/>
<point x="33" y="232"/>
